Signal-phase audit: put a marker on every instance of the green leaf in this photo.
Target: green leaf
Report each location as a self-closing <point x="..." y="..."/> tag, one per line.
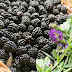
<point x="48" y="55"/>
<point x="48" y="69"/>
<point x="68" y="65"/>
<point x="39" y="68"/>
<point x="55" y="55"/>
<point x="55" y="71"/>
<point x="68" y="70"/>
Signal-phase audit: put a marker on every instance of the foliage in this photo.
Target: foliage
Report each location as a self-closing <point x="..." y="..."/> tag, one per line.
<point x="61" y="59"/>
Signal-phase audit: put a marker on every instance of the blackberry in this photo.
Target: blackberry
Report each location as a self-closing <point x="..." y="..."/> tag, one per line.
<point x="3" y="40"/>
<point x="33" y="52"/>
<point x="12" y="27"/>
<point x="35" y="15"/>
<point x="6" y="22"/>
<point x="64" y="9"/>
<point x="12" y="69"/>
<point x="27" y="14"/>
<point x="21" y="42"/>
<point x="32" y="63"/>
<point x="22" y="8"/>
<point x="46" y="48"/>
<point x="21" y="27"/>
<point x="21" y="50"/>
<point x="59" y="7"/>
<point x="35" y="22"/>
<point x="55" y="11"/>
<point x="49" y="7"/>
<point x="10" y="46"/>
<point x="24" y="4"/>
<point x="1" y="18"/>
<point x="40" y="55"/>
<point x="37" y="32"/>
<point x="24" y="59"/>
<point x="42" y="41"/>
<point x="57" y="2"/>
<point x="15" y="36"/>
<point x="31" y="9"/>
<point x="51" y="17"/>
<point x="34" y="3"/>
<point x="2" y="53"/>
<point x="46" y="33"/>
<point x="2" y="25"/>
<point x="30" y="28"/>
<point x="3" y="60"/>
<point x="25" y="20"/>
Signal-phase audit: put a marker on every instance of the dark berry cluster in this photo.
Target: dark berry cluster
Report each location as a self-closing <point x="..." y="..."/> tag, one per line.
<point x="24" y="30"/>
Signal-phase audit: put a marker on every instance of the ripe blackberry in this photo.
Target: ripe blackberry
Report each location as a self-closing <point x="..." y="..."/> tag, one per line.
<point x="34" y="15"/>
<point x="2" y="25"/>
<point x="12" y="69"/>
<point x="36" y="22"/>
<point x="15" y="36"/>
<point x="24" y="59"/>
<point x="30" y="28"/>
<point x="57" y="2"/>
<point x="12" y="27"/>
<point x="49" y="7"/>
<point x="3" y="40"/>
<point x="55" y="11"/>
<point x="24" y="4"/>
<point x="46" y="48"/>
<point x="22" y="8"/>
<point x="27" y="14"/>
<point x="37" y="32"/>
<point x="59" y="7"/>
<point x="6" y="22"/>
<point x="2" y="53"/>
<point x="42" y="41"/>
<point x="21" y="27"/>
<point x="34" y="3"/>
<point x="25" y="20"/>
<point x="10" y="46"/>
<point x="21" y="50"/>
<point x="40" y="55"/>
<point x="46" y="33"/>
<point x="21" y="42"/>
<point x="33" y="52"/>
<point x="31" y="9"/>
<point x="51" y="17"/>
<point x="32" y="63"/>
<point x="64" y="9"/>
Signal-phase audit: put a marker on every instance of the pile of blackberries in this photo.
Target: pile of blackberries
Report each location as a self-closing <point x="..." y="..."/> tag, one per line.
<point x="24" y="30"/>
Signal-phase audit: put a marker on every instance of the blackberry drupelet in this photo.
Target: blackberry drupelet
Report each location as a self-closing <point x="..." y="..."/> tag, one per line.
<point x="28" y="46"/>
<point x="30" y="28"/>
<point x="27" y="14"/>
<point x="21" y="27"/>
<point x="37" y="32"/>
<point x="1" y="18"/>
<point x="21" y="50"/>
<point x="10" y="46"/>
<point x="21" y="42"/>
<point x="57" y="2"/>
<point x="59" y="7"/>
<point x="55" y="11"/>
<point x="36" y="22"/>
<point x="25" y="20"/>
<point x="2" y="25"/>
<point x="13" y="27"/>
<point x="33" y="52"/>
<point x="3" y="40"/>
<point x="2" y="53"/>
<point x="64" y="9"/>
<point x="51" y="17"/>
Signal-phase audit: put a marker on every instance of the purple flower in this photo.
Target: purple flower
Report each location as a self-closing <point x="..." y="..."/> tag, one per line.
<point x="55" y="35"/>
<point x="47" y="64"/>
